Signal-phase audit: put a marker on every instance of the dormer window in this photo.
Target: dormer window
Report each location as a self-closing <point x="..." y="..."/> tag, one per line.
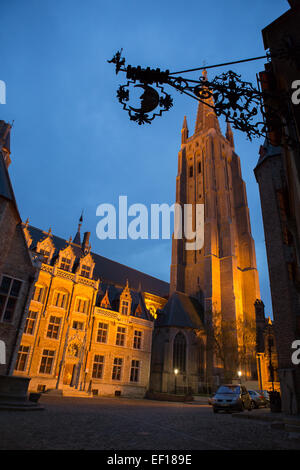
<point x="85" y="271"/>
<point x="65" y="264"/>
<point x="45" y="254"/>
<point x="46" y="248"/>
<point x="125" y="307"/>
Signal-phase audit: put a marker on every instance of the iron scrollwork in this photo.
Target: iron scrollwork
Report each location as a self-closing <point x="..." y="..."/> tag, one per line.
<point x="238" y="101"/>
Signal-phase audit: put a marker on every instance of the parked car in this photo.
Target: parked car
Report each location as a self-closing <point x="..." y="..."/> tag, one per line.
<point x="258" y="399"/>
<point x="231" y="398"/>
<point x="266" y="395"/>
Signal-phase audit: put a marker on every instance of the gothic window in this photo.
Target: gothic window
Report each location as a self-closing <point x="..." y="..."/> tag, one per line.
<point x="120" y="340"/>
<point x="30" y="323"/>
<point x="117" y="368"/>
<point x="78" y="325"/>
<point x="124" y="308"/>
<point x="60" y="299"/>
<point x="85" y="271"/>
<point x="39" y="293"/>
<point x="137" y="339"/>
<point x="53" y="327"/>
<point x="47" y="361"/>
<point x="65" y="264"/>
<point x="179" y="352"/>
<point x="191" y="171"/>
<point x="9" y="293"/>
<point x="22" y="358"/>
<point x="98" y="366"/>
<point x="135" y="371"/>
<point x="46" y="255"/>
<point x="102" y="332"/>
<point x="199" y="167"/>
<point x="82" y="305"/>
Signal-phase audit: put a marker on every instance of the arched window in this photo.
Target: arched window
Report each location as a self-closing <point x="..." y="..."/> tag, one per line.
<point x="179" y="352"/>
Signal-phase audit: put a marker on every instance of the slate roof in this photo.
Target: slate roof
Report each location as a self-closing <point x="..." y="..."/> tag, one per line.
<point x="267" y="150"/>
<point x="107" y="270"/>
<point x="114" y="299"/>
<point x="181" y="310"/>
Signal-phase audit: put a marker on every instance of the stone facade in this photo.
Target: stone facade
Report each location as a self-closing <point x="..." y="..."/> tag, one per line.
<point x="83" y="333"/>
<point x="266" y="353"/>
<point x="278" y="177"/>
<point x="218" y="281"/>
<point x="17" y="269"/>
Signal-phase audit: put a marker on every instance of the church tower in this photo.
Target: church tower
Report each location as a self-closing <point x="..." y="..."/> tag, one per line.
<point x="223" y="274"/>
<point x="213" y="286"/>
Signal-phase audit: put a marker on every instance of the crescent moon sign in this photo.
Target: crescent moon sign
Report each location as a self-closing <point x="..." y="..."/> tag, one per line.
<point x="149" y="99"/>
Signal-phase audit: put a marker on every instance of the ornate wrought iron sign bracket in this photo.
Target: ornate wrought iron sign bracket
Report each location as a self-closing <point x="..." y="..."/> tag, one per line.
<point x="238" y="101"/>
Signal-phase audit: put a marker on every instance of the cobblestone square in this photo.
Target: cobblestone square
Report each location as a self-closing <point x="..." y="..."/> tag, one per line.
<point x="128" y="424"/>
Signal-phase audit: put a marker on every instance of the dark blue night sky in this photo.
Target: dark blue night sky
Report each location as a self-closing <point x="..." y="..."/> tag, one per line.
<point x="73" y="147"/>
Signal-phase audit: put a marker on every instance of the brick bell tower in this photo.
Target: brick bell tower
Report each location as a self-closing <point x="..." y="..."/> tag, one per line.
<point x="223" y="274"/>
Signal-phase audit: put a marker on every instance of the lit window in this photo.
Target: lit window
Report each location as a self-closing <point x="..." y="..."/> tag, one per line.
<point x="135" y="371"/>
<point x="98" y="367"/>
<point x="102" y="332"/>
<point x="65" y="264"/>
<point x="53" y="327"/>
<point x="47" y="361"/>
<point x="60" y="299"/>
<point x="117" y="368"/>
<point x="30" y="323"/>
<point x="39" y="294"/>
<point x="125" y="306"/>
<point x="137" y="339"/>
<point x="9" y="292"/>
<point x="22" y="358"/>
<point x="120" y="340"/>
<point x="82" y="305"/>
<point x="85" y="271"/>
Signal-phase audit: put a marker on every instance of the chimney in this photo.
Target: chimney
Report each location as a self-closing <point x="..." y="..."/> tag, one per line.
<point x="85" y="242"/>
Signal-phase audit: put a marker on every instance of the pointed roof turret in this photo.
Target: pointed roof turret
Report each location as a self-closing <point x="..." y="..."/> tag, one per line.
<point x="206" y="116"/>
<point x="77" y="238"/>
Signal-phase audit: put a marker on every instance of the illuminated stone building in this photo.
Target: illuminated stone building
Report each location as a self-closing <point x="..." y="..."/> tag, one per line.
<point x="90" y="322"/>
<point x="219" y="280"/>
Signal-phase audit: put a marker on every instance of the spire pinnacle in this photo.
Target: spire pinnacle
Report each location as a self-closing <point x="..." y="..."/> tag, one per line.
<point x="206" y="116"/>
<point x="77" y="238"/>
<point x="184" y="131"/>
<point x="229" y="135"/>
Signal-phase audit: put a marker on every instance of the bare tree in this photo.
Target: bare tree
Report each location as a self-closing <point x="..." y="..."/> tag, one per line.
<point x="233" y="343"/>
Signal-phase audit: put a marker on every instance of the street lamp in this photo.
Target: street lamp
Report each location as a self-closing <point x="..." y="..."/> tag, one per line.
<point x="176" y="372"/>
<point x="240" y="375"/>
